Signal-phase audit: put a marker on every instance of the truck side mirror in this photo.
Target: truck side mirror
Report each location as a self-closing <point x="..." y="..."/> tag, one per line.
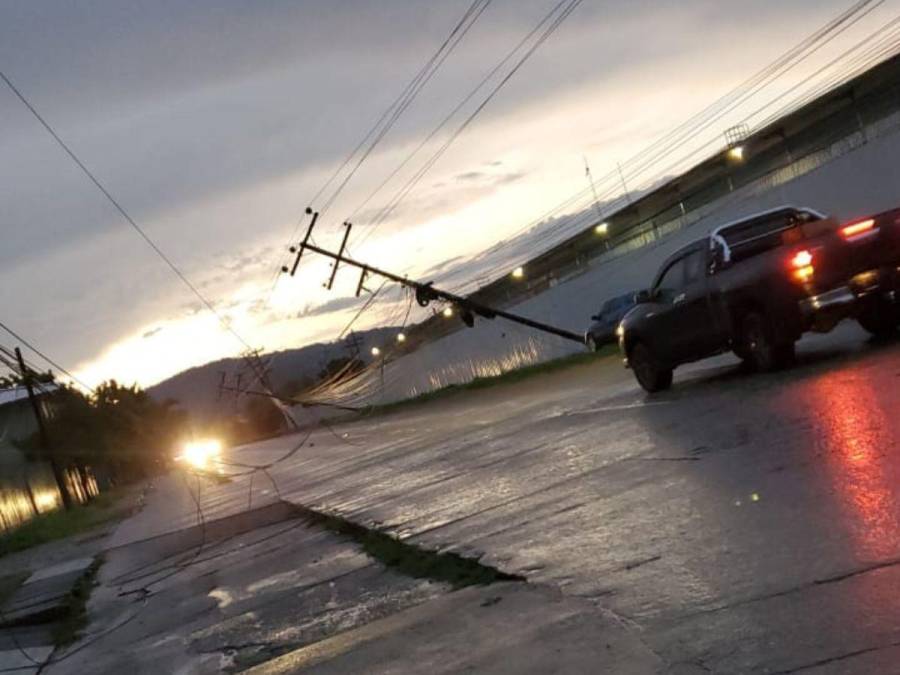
<point x="642" y="296"/>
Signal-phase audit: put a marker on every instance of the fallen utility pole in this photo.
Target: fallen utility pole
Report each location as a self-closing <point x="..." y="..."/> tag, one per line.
<point x="58" y="472"/>
<point x="425" y="292"/>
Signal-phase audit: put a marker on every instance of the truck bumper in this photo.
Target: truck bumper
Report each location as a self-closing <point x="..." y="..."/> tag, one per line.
<point x="822" y="311"/>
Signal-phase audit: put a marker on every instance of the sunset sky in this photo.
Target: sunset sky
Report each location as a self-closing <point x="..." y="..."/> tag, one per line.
<point x="214" y="124"/>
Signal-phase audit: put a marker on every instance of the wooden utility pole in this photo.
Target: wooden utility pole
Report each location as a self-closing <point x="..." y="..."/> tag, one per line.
<point x="58" y="473"/>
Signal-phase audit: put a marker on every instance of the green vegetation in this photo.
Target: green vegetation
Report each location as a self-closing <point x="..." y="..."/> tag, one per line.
<point x="410" y="560"/>
<point x="509" y="377"/>
<point x="74" y="618"/>
<point x="58" y="524"/>
<point x="115" y="431"/>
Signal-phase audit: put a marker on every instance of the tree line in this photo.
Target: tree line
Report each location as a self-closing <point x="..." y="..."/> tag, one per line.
<point x="116" y="433"/>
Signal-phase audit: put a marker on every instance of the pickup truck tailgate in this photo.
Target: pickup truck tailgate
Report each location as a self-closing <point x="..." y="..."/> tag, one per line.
<point x="873" y="245"/>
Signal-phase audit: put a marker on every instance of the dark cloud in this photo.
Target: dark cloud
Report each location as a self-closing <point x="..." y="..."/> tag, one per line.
<point x="151" y="333"/>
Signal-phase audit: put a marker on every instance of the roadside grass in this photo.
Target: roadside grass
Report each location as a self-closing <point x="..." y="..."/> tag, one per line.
<point x="408" y="559"/>
<point x="75" y="618"/>
<point x="509" y="377"/>
<point x="60" y="523"/>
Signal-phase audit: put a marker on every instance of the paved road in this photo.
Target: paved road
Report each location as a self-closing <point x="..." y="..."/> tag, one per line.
<point x="739" y="523"/>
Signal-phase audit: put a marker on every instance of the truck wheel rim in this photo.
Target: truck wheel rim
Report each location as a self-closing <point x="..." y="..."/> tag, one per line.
<point x="755" y="338"/>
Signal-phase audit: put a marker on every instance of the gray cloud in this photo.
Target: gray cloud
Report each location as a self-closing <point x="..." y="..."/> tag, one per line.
<point x="469" y="176"/>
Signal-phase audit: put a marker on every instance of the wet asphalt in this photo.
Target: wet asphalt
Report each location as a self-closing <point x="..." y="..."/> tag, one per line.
<point x="739" y="522"/>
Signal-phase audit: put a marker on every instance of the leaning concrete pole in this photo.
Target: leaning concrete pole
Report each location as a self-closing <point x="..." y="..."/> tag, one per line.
<point x="58" y="473"/>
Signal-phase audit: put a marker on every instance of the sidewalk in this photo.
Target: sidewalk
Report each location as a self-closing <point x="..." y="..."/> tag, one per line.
<point x="266" y="589"/>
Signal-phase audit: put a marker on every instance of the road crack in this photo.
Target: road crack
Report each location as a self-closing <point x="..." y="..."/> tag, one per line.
<point x="838" y="658"/>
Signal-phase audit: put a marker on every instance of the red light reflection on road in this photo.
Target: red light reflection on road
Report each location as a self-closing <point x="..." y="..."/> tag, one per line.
<point x="859" y="440"/>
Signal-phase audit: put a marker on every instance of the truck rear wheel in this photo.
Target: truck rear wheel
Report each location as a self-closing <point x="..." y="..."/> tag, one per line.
<point x="879" y="318"/>
<point x="758" y="341"/>
<point x="650" y="374"/>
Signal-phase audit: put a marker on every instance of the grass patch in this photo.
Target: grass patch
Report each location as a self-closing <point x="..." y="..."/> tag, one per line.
<point x="60" y="523"/>
<point x="509" y="377"/>
<point x="411" y="560"/>
<point x="74" y="617"/>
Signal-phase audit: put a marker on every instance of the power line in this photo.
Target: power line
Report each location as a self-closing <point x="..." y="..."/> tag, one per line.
<point x="389" y="117"/>
<point x="687" y="130"/>
<point x="560" y="16"/>
<point x="112" y="200"/>
<point x="43" y="356"/>
<point x="690" y="127"/>
<point x="456" y="35"/>
<point x="451" y="114"/>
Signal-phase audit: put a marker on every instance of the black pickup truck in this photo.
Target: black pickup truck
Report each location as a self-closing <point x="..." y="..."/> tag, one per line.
<point x="756" y="285"/>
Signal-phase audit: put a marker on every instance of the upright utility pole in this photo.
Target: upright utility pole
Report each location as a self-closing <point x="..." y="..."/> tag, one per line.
<point x="590" y="177"/>
<point x="624" y="184"/>
<point x="58" y="472"/>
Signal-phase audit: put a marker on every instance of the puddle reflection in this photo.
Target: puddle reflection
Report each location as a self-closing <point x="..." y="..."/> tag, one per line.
<point x="858" y="436"/>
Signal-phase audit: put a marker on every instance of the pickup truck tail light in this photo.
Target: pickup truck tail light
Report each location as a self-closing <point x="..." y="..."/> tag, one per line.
<point x="858" y="230"/>
<point x="801" y="266"/>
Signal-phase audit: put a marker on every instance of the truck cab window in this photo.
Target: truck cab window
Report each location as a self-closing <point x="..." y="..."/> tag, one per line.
<point x="671" y="282"/>
<point x="694" y="267"/>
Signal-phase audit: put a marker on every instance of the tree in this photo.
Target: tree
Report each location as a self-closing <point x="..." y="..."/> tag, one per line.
<point x="118" y="429"/>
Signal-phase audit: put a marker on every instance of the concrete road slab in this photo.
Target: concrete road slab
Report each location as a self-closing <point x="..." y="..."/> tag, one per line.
<point x="708" y="507"/>
<point x="503" y="628"/>
<point x="67" y="567"/>
<point x="43" y="597"/>
<point x="25" y="663"/>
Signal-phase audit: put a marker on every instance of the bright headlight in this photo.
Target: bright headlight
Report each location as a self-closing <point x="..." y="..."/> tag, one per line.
<point x="200" y="454"/>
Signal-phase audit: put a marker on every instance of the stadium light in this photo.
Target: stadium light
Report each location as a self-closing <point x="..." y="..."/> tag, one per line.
<point x="736" y="153"/>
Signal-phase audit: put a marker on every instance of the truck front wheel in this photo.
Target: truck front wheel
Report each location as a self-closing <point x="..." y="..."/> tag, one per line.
<point x="759" y="342"/>
<point x="650" y="374"/>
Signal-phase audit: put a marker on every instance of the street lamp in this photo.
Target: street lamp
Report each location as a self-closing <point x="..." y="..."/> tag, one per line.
<point x="401" y="337"/>
<point x="375" y="351"/>
<point x="518" y="273"/>
<point x="448" y="311"/>
<point x="602" y="229"/>
<point x="736" y="153"/>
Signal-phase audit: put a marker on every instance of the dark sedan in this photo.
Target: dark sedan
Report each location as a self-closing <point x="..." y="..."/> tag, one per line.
<point x="603" y="330"/>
